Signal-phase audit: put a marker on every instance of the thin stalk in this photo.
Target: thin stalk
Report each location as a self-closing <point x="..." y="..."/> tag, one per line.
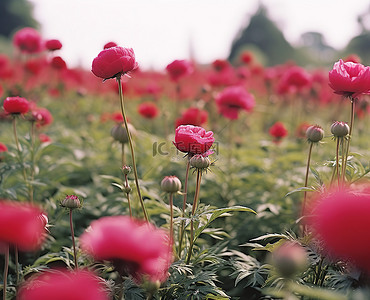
<point x="16" y="263"/>
<point x="337" y="160"/>
<point x="182" y="229"/>
<point x="195" y="204"/>
<point x="349" y="138"/>
<point x="6" y="268"/>
<point x="32" y="137"/>
<point x="128" y="195"/>
<point x="171" y="217"/>
<point x="306" y="179"/>
<point x="19" y="149"/>
<point x="123" y="162"/>
<point x="131" y="149"/>
<point x="73" y="239"/>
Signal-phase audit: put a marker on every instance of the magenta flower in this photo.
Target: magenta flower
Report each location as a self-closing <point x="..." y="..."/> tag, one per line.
<point x="278" y="131"/>
<point x="148" y="110"/>
<point x="53" y="45"/>
<point x="193" y="139"/>
<point x="16" y="105"/>
<point x="113" y="62"/>
<point x="179" y="68"/>
<point x="135" y="248"/>
<point x="233" y="99"/>
<point x="350" y="79"/>
<point x="28" y="40"/>
<point x="62" y="285"/>
<point x="41" y="116"/>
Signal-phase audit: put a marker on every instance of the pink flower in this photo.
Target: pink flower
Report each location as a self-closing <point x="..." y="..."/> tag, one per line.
<point x="62" y="285"/>
<point x="349" y="79"/>
<point x="341" y="219"/>
<point x="16" y="105"/>
<point x="53" y="45"/>
<point x="233" y="99"/>
<point x="110" y="45"/>
<point x="3" y="147"/>
<point x="278" y="131"/>
<point x="135" y="248"/>
<point x="21" y="225"/>
<point x="42" y="116"/>
<point x="178" y="69"/>
<point x="28" y="40"/>
<point x="148" y="110"/>
<point x="113" y="62"/>
<point x="220" y="65"/>
<point x="58" y="63"/>
<point x="193" y="139"/>
<point x="44" y="138"/>
<point x="192" y="116"/>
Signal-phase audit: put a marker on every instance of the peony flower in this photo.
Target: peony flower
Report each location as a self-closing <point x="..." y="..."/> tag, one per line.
<point x="28" y="40"/>
<point x="294" y="79"/>
<point x="220" y="65"/>
<point x="3" y="147"/>
<point x="113" y="62"/>
<point x="110" y="45"/>
<point x="53" y="45"/>
<point x="178" y="69"/>
<point x="16" y="105"/>
<point x="44" y="138"/>
<point x="349" y="79"/>
<point x="135" y="248"/>
<point x="233" y="99"/>
<point x="58" y="63"/>
<point x="41" y="116"/>
<point x="278" y="131"/>
<point x="341" y="220"/>
<point x="193" y="139"/>
<point x="193" y="116"/>
<point x="62" y="285"/>
<point x="148" y="110"/>
<point x="21" y="225"/>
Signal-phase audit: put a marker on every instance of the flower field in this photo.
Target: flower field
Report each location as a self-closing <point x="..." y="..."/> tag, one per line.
<point x="211" y="181"/>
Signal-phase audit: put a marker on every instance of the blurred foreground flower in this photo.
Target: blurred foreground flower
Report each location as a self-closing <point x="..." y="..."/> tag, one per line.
<point x="62" y="285"/>
<point x="135" y="248"/>
<point x="193" y="139"/>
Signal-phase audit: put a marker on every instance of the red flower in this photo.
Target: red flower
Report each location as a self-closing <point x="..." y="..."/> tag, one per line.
<point x="62" y="285"/>
<point x="58" y="63"/>
<point x="21" y="225"/>
<point x="341" y="220"/>
<point x="16" y="105"/>
<point x="232" y="99"/>
<point x="295" y="79"/>
<point x="3" y="147"/>
<point x="349" y="79"/>
<point x="179" y="68"/>
<point x="193" y="139"/>
<point x="220" y="65"/>
<point x="135" y="248"/>
<point x="193" y="116"/>
<point x="110" y="45"/>
<point x="113" y="62"/>
<point x="28" y="40"/>
<point x="42" y="117"/>
<point x="278" y="131"/>
<point x="148" y="110"/>
<point x="44" y="138"/>
<point x="53" y="45"/>
<point x="246" y="57"/>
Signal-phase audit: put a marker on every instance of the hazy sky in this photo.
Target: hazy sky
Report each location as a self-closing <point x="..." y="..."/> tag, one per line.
<point x="160" y="31"/>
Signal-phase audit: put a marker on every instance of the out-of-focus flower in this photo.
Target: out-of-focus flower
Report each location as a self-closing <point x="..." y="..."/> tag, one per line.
<point x="301" y="130"/>
<point x="135" y="248"/>
<point x="349" y="79"/>
<point x="171" y="184"/>
<point x="62" y="285"/>
<point x="21" y="225"/>
<point x="148" y="110"/>
<point x="278" y="131"/>
<point x="233" y="99"/>
<point x="193" y="139"/>
<point x="179" y="68"/>
<point x="193" y="116"/>
<point x="16" y="105"/>
<point x="28" y="40"/>
<point x="58" y="63"/>
<point x="35" y="66"/>
<point x="53" y="45"/>
<point x="220" y="65"/>
<point x="113" y="62"/>
<point x="41" y="116"/>
<point x="44" y="138"/>
<point x="110" y="45"/>
<point x="341" y="220"/>
<point x="295" y="79"/>
<point x="246" y="57"/>
<point x="3" y="148"/>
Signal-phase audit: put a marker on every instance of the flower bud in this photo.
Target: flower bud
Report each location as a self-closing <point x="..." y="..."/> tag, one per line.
<point x="126" y="170"/>
<point x="339" y="129"/>
<point x="289" y="259"/>
<point x="119" y="133"/>
<point x="171" y="184"/>
<point x="71" y="202"/>
<point x="314" y="134"/>
<point x="200" y="162"/>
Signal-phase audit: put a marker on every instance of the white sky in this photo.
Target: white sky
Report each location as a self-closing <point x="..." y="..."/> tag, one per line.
<point x="160" y="31"/>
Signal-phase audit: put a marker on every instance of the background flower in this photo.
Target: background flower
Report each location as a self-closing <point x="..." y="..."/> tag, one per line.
<point x="28" y="40"/>
<point x="148" y="110"/>
<point x="178" y="69"/>
<point x="16" y="105"/>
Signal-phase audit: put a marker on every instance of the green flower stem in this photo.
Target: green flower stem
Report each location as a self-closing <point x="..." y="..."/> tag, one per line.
<point x="73" y="239"/>
<point x="123" y="162"/>
<point x="131" y="149"/>
<point x="171" y="216"/>
<point x="128" y="196"/>
<point x="337" y="160"/>
<point x="6" y="268"/>
<point x="344" y="166"/>
<point x="182" y="229"/>
<point x="32" y="137"/>
<point x="195" y="204"/>
<point x="19" y="149"/>
<point x="306" y="178"/>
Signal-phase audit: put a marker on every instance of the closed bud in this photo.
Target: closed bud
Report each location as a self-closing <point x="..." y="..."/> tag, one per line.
<point x="171" y="184"/>
<point x="314" y="134"/>
<point x="126" y="170"/>
<point x="119" y="133"/>
<point x="71" y="202"/>
<point x="339" y="129"/>
<point x="200" y="162"/>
